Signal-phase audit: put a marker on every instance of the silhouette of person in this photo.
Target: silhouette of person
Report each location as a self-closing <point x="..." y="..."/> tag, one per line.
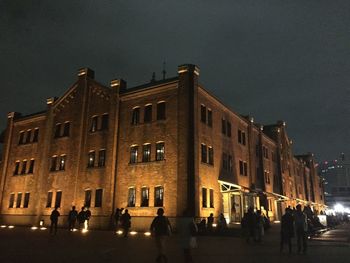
<point x="160" y="229"/>
<point x="301" y="229"/>
<point x="81" y="217"/>
<point x="87" y="216"/>
<point x="125" y="221"/>
<point x="117" y="218"/>
<point x="210" y="222"/>
<point x="287" y="229"/>
<point x="72" y="218"/>
<point x="54" y="220"/>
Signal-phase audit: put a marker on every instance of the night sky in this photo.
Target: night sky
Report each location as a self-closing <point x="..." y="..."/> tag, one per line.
<point x="275" y="60"/>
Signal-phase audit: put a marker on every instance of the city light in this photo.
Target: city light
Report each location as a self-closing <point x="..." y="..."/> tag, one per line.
<point x="147" y="234"/>
<point x="43" y="228"/>
<point x="3" y="226"/>
<point x="11" y="227"/>
<point x="133" y="233"/>
<point x="119" y="232"/>
<point x="34" y="228"/>
<point x="339" y="208"/>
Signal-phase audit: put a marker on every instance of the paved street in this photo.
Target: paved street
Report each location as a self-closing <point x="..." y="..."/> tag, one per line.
<point x="25" y="245"/>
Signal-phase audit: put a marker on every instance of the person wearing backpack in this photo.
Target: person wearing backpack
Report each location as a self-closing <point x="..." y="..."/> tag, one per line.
<point x="160" y="229"/>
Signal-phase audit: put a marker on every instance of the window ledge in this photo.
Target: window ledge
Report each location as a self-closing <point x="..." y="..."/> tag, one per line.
<point x="145" y="163"/>
<point x="95" y="167"/>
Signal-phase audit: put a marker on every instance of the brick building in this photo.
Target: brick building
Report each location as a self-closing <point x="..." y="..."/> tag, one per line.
<point x="167" y="143"/>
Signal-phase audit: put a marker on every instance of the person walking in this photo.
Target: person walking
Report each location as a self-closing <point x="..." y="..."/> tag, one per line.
<point x="117" y="218"/>
<point x="160" y="229"/>
<point x="259" y="226"/>
<point x="54" y="220"/>
<point x="301" y="229"/>
<point x="248" y="224"/>
<point x="188" y="235"/>
<point x="125" y="221"/>
<point x="81" y="218"/>
<point x="72" y="218"/>
<point x="222" y="224"/>
<point x="210" y="222"/>
<point x="87" y="216"/>
<point x="287" y="230"/>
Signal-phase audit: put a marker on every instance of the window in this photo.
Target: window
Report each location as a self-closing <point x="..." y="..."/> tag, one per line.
<point x="203" y="114"/>
<point x="87" y="200"/>
<point x="104" y="124"/>
<point x="29" y="135"/>
<point x="211" y="155"/>
<point x="211" y="198"/>
<point x="58" y="130"/>
<point x="160" y="151"/>
<point x="144" y="196"/>
<point x="267" y="177"/>
<point x="12" y="200"/>
<point x="161" y="111"/>
<point x="36" y="135"/>
<point x="158" y="196"/>
<point x="31" y="166"/>
<point x="53" y="163"/>
<point x="241" y="137"/>
<point x="58" y="199"/>
<point x="223" y="126"/>
<point x="228" y="129"/>
<point x="146" y="157"/>
<point x="49" y="200"/>
<point x="62" y="164"/>
<point x="204" y="197"/>
<point x="133" y="153"/>
<point x="94" y="122"/>
<point x="16" y="168"/>
<point x="148" y="113"/>
<point x="26" y="200"/>
<point x="203" y="153"/>
<point x="230" y="163"/>
<point x="102" y="158"/>
<point x="135" y="116"/>
<point x="210" y="118"/>
<point x="98" y="197"/>
<point x="24" y="167"/>
<point x="224" y="161"/>
<point x="19" y="200"/>
<point x="265" y="152"/>
<point x="131" y="197"/>
<point x="21" y="137"/>
<point x="243" y="168"/>
<point x="91" y="159"/>
<point x="66" y="129"/>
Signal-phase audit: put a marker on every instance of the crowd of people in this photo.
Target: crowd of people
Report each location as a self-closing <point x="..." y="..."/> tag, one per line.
<point x="254" y="225"/>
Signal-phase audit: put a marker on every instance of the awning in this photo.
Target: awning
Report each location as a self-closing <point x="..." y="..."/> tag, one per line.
<point x="229" y="187"/>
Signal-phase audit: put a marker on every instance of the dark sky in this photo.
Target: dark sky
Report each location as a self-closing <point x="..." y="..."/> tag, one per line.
<point x="283" y="59"/>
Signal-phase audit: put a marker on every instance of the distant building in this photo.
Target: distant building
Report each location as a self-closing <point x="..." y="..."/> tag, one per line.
<point x="167" y="143"/>
<point x="336" y="174"/>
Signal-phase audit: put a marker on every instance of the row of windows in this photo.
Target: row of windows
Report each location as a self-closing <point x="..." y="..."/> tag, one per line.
<point x="22" y="169"/>
<point x="51" y="199"/>
<point x="58" y="163"/>
<point x="206" y="116"/>
<point x="98" y="197"/>
<point x="205" y="197"/>
<point x="101" y="162"/>
<point x="146" y="152"/>
<point x="99" y="123"/>
<point x="28" y="136"/>
<point x="147" y="116"/>
<point x="207" y="154"/>
<point x="145" y="193"/>
<point x="17" y="202"/>
<point x="62" y="130"/>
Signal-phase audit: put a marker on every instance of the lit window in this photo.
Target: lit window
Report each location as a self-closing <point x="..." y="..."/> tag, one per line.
<point x="87" y="200"/>
<point x="203" y="153"/>
<point x="135" y="116"/>
<point x="62" y="164"/>
<point x="31" y="166"/>
<point x="26" y="200"/>
<point x="211" y="198"/>
<point x="148" y="113"/>
<point x="12" y="200"/>
<point x="58" y="199"/>
<point x="19" y="200"/>
<point x="158" y="196"/>
<point x="24" y="167"/>
<point x="160" y="151"/>
<point x="29" y="135"/>
<point x="16" y="168"/>
<point x="161" y="111"/>
<point x="53" y="163"/>
<point x="203" y="114"/>
<point x="131" y="197"/>
<point x="91" y="159"/>
<point x="133" y="154"/>
<point x="49" y="200"/>
<point x="58" y="130"/>
<point x="66" y="129"/>
<point x="104" y="124"/>
<point x="144" y="196"/>
<point x="94" y="122"/>
<point x="98" y="197"/>
<point x="101" y="158"/>
<point x="146" y="157"/>
<point x="211" y="155"/>
<point x="36" y="135"/>
<point x="204" y="197"/>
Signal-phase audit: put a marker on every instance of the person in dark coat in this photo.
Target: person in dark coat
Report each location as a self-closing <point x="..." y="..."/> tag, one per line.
<point x="81" y="217"/>
<point x="301" y="228"/>
<point x="249" y="224"/>
<point x="125" y="221"/>
<point x="87" y="216"/>
<point x="117" y="215"/>
<point x="72" y="218"/>
<point x="287" y="229"/>
<point x="54" y="219"/>
<point x="160" y="229"/>
<point x="210" y="223"/>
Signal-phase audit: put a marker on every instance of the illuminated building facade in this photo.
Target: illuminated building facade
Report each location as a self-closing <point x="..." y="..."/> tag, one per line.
<point x="167" y="143"/>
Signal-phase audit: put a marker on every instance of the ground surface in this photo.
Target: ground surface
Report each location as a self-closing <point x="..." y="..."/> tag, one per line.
<point x="25" y="245"/>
